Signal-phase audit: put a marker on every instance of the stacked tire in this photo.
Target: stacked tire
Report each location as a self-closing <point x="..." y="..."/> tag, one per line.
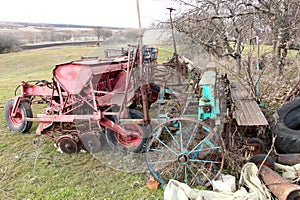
<point x="287" y="128"/>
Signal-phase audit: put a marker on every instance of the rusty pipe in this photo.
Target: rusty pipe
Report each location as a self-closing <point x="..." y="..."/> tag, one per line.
<point x="279" y="186"/>
<point x="288" y="159"/>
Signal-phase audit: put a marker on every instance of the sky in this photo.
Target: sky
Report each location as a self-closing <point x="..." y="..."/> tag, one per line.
<point x="112" y="13"/>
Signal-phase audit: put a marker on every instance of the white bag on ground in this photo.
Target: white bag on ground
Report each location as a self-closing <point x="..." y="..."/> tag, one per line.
<point x="257" y="191"/>
<point x="288" y="172"/>
<point x="224" y="183"/>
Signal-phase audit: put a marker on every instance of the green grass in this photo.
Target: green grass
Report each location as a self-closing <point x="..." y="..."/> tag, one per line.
<point x="164" y="54"/>
<point x="265" y="50"/>
<point x="30" y="166"/>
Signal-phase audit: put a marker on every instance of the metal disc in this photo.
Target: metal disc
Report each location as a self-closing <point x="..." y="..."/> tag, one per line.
<point x="67" y="145"/>
<point x="91" y="141"/>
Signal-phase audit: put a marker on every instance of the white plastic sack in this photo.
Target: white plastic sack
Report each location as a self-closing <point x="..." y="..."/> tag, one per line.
<point x="257" y="191"/>
<point x="224" y="183"/>
<point x="288" y="172"/>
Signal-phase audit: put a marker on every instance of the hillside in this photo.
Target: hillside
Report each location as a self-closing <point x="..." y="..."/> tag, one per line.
<point x="42" y="32"/>
<point x="37" y="34"/>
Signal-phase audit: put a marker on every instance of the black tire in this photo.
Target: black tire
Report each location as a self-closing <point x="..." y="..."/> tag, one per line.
<point x="259" y="158"/>
<point x="152" y="96"/>
<point x="258" y="144"/>
<point x="155" y="87"/>
<point x="18" y="123"/>
<point x="114" y="142"/>
<point x="287" y="128"/>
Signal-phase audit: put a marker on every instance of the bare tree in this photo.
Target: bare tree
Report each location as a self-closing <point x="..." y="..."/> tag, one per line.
<point x="102" y="33"/>
<point x="8" y="43"/>
<point x="283" y="17"/>
<point x="222" y="27"/>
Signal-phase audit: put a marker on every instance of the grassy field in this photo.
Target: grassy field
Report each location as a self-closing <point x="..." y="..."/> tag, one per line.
<point x="31" y="168"/>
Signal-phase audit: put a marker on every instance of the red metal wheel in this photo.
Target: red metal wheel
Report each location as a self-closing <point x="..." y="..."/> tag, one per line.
<point x="132" y="142"/>
<point x="129" y="140"/>
<point x="18" y="122"/>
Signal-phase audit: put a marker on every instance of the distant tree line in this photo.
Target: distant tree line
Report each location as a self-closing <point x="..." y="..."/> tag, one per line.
<point x="124" y="37"/>
<point x="40" y="35"/>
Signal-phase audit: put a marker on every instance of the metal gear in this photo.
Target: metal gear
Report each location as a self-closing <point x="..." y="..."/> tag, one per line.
<point x="172" y="109"/>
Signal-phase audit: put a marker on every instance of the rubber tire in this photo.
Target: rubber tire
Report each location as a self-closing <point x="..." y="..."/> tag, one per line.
<point x="257" y="159"/>
<point x="257" y="141"/>
<point x="113" y="142"/>
<point x="25" y="108"/>
<point x="154" y="88"/>
<point x="287" y="128"/>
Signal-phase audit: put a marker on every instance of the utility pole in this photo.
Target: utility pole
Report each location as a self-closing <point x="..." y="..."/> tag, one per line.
<point x="142" y="84"/>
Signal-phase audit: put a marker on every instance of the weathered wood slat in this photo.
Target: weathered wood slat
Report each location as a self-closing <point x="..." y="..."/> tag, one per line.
<point x="247" y="112"/>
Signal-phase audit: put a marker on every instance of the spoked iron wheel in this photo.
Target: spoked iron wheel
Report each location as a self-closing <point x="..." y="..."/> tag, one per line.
<point x="186" y="150"/>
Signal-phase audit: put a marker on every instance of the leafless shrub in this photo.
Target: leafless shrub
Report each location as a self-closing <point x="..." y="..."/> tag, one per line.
<point x="8" y="43"/>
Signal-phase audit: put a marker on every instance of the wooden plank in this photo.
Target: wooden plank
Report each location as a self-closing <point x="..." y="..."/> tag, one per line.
<point x="247" y="112"/>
